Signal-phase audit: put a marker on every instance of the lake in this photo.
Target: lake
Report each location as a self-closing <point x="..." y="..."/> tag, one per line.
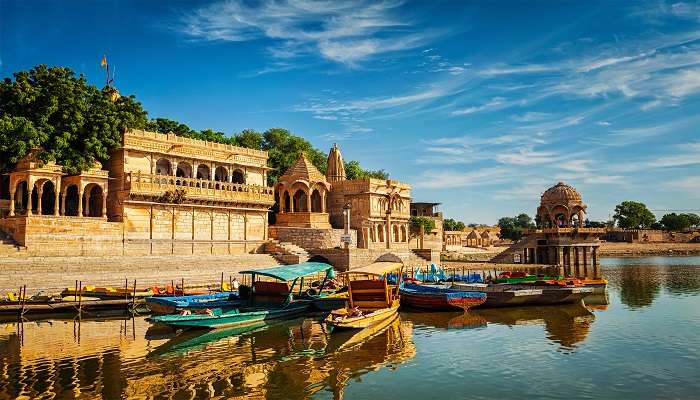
<point x="642" y="340"/>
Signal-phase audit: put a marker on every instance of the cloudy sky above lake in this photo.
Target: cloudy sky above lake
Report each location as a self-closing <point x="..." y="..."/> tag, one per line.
<point x="480" y="105"/>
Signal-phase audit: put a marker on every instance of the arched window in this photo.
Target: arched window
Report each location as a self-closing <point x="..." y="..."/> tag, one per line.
<point x="396" y="233"/>
<point x="93" y="203"/>
<point x="300" y="204"/>
<point x="184" y="170"/>
<point x="203" y="172"/>
<point x="221" y="174"/>
<point x="316" y="202"/>
<point x="21" y="197"/>
<point x="403" y="234"/>
<point x="163" y="167"/>
<point x="238" y="177"/>
<point x="380" y="232"/>
<point x="373" y="233"/>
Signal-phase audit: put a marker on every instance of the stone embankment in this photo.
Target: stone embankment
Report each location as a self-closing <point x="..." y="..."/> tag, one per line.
<point x="471" y="254"/>
<point x="619" y="249"/>
<point x="56" y="273"/>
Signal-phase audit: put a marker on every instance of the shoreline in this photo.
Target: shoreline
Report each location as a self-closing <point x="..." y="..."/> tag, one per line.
<point x="616" y="249"/>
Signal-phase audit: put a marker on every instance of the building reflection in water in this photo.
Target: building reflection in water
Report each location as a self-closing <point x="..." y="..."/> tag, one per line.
<point x="288" y="360"/>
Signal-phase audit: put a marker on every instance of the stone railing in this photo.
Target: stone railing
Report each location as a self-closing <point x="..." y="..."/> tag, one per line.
<point x="199" y="189"/>
<point x="566" y="230"/>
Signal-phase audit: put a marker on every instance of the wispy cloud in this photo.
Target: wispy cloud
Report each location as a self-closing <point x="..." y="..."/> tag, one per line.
<point x="450" y="178"/>
<point x="490" y="105"/>
<point x="344" y="32"/>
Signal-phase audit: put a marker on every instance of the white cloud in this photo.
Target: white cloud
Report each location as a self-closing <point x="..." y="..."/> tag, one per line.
<point x="490" y="105"/>
<point x="530" y="116"/>
<point x="527" y="156"/>
<point x="690" y="185"/>
<point x="450" y="178"/>
<point x="684" y="83"/>
<point x="344" y="32"/>
<point x="603" y="123"/>
<point x="517" y="69"/>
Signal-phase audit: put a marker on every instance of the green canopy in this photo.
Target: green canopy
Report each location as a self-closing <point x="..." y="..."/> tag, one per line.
<point x="290" y="272"/>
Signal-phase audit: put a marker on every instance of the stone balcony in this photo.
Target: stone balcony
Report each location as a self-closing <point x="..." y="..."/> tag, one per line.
<point x="198" y="189"/>
<point x="559" y="231"/>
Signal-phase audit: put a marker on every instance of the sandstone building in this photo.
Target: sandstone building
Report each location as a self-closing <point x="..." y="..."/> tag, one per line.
<point x="561" y="238"/>
<point x="160" y="194"/>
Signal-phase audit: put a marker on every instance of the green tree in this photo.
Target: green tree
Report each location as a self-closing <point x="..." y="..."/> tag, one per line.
<point x="633" y="215"/>
<point x="353" y="170"/>
<point x="283" y="149"/>
<point x="249" y="138"/>
<point x="450" y="224"/>
<point x="165" y="125"/>
<point x="416" y="223"/>
<point x="679" y="222"/>
<point x="510" y="228"/>
<point x="75" y="123"/>
<point x="524" y="221"/>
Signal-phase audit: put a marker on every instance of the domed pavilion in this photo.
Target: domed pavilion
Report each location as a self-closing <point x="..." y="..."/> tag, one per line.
<point x="561" y="238"/>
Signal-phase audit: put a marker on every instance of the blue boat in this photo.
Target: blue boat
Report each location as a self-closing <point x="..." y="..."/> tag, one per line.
<point x="168" y="305"/>
<point x="439" y="298"/>
<point x="265" y="301"/>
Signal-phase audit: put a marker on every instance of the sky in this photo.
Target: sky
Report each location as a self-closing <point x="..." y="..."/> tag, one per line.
<point x="480" y="105"/>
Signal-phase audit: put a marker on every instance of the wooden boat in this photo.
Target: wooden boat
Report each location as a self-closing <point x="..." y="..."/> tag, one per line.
<point x="554" y="294"/>
<point x="264" y="301"/>
<point x="501" y="295"/>
<point x="522" y="277"/>
<point x="168" y="305"/>
<point x="439" y="297"/>
<point x="331" y="302"/>
<point x="107" y="293"/>
<point x="599" y="285"/>
<point x="371" y="299"/>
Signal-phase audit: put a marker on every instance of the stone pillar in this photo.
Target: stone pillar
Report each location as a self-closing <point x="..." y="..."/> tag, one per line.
<point x="56" y="201"/>
<point x="291" y="202"/>
<point x="594" y="256"/>
<point x="388" y="229"/>
<point x="104" y="203"/>
<point x="80" y="203"/>
<point x="308" y="201"/>
<point x="30" y="202"/>
<point x="585" y="258"/>
<point x="63" y="203"/>
<point x="245" y="226"/>
<point x="12" y="202"/>
<point x="560" y="256"/>
<point x="524" y="260"/>
<point x="39" y="193"/>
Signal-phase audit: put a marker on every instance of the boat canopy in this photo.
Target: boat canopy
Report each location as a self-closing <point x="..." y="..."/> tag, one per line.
<point x="291" y="272"/>
<point x="377" y="268"/>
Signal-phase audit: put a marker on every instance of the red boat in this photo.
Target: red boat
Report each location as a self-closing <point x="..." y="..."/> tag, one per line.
<point x="439" y="298"/>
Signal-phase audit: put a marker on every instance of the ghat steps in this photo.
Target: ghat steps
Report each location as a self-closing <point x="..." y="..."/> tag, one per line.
<point x="285" y="252"/>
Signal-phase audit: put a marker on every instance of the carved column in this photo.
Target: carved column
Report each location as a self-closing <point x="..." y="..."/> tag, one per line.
<point x="80" y="202"/>
<point x="104" y="203"/>
<point x="560" y="256"/>
<point x="56" y="201"/>
<point x="86" y="209"/>
<point x="63" y="202"/>
<point x="39" y="193"/>
<point x="585" y="258"/>
<point x="594" y="256"/>
<point x="30" y="202"/>
<point x="245" y="226"/>
<point x="308" y="201"/>
<point x="388" y="229"/>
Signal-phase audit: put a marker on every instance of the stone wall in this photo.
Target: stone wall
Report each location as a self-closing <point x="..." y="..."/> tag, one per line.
<point x="311" y="238"/>
<point x="64" y="236"/>
<point x="344" y="260"/>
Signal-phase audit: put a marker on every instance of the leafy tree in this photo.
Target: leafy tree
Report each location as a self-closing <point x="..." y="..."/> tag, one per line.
<point x="595" y="224"/>
<point x="249" y="138"/>
<point x="283" y="149"/>
<point x="633" y="215"/>
<point x="512" y="227"/>
<point x="679" y="222"/>
<point x="524" y="221"/>
<point x="354" y="171"/>
<point x="74" y="122"/>
<point x="450" y="224"/>
<point x="416" y="223"/>
<point x="165" y="125"/>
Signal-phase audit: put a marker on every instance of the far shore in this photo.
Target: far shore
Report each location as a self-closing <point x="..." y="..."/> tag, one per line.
<point x="618" y="249"/>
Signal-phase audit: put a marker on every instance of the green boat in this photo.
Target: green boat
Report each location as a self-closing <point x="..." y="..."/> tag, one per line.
<point x="264" y="301"/>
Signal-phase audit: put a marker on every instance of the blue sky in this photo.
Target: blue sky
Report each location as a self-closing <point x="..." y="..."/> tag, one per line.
<point x="480" y="105"/>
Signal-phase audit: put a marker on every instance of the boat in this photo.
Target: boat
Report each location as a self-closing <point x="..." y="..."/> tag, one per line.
<point x="168" y="305"/>
<point x="266" y="300"/>
<point x="439" y="297"/>
<point x="599" y="285"/>
<point x="555" y="293"/>
<point x="502" y="295"/>
<point x="371" y="297"/>
<point x="522" y="277"/>
<point x="107" y="293"/>
<point x="331" y="301"/>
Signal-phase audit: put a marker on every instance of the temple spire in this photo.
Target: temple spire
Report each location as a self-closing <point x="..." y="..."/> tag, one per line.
<point x="336" y="168"/>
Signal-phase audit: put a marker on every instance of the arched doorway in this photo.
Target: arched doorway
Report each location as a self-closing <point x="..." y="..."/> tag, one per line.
<point x="203" y="172"/>
<point x="316" y="205"/>
<point x="71" y="199"/>
<point x="300" y="204"/>
<point x="238" y="177"/>
<point x="396" y="233"/>
<point x="184" y="170"/>
<point x="48" y="198"/>
<point x="163" y="167"/>
<point x="221" y="174"/>
<point x="403" y="233"/>
<point x="380" y="232"/>
<point x="320" y="259"/>
<point x="93" y="201"/>
<point x="287" y="202"/>
<point x="21" y="197"/>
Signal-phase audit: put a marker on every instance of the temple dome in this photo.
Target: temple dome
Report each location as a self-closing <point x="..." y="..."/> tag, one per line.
<point x="561" y="193"/>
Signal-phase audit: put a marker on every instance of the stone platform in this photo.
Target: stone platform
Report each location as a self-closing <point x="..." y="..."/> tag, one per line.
<point x="57" y="273"/>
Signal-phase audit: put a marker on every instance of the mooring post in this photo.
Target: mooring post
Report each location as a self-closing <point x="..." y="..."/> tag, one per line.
<point x="221" y="287"/>
<point x="133" y="299"/>
<point x="126" y="293"/>
<point x="80" y="299"/>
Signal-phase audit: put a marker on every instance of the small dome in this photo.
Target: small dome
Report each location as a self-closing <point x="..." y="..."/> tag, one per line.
<point x="560" y="193"/>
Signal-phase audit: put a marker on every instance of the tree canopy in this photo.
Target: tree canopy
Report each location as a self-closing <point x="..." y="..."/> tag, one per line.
<point x="680" y="222"/>
<point x="512" y="227"/>
<point x="633" y="215"/>
<point x="428" y="225"/>
<point x="450" y="224"/>
<point x="77" y="124"/>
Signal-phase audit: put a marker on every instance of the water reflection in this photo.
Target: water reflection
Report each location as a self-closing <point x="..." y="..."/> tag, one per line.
<point x="288" y="360"/>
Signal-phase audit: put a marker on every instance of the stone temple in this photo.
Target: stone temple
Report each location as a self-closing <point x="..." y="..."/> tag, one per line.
<point x="163" y="194"/>
<point x="561" y="237"/>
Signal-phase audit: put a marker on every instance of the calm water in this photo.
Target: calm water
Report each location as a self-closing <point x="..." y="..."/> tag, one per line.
<point x="643" y="341"/>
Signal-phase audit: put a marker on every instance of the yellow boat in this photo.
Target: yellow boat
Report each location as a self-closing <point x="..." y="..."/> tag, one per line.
<point x="371" y="299"/>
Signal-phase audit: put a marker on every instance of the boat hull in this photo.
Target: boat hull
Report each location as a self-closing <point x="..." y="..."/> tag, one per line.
<point x="168" y="305"/>
<point x="232" y="319"/>
<point x="440" y="299"/>
<point x="365" y="321"/>
<point x="507" y="295"/>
